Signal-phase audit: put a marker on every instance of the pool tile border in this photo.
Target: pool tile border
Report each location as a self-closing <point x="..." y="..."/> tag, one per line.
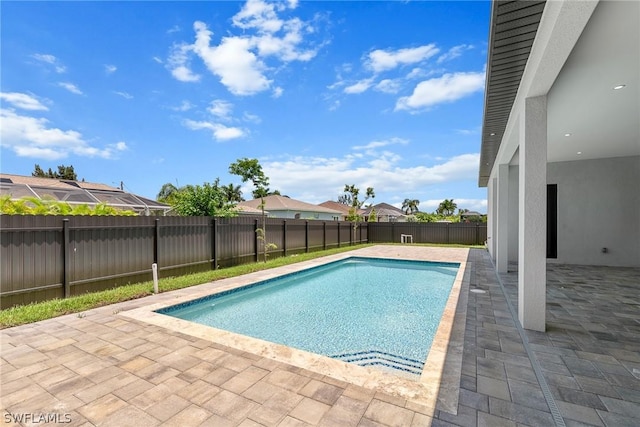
<point x="431" y="389"/>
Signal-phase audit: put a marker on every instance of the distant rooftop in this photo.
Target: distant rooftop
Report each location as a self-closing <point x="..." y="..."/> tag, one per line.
<point x="281" y="203"/>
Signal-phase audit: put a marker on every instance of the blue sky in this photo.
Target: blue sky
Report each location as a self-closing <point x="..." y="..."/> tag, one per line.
<point x="387" y="94"/>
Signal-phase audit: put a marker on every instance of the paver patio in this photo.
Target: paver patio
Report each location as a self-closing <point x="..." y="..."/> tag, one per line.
<point x="103" y="368"/>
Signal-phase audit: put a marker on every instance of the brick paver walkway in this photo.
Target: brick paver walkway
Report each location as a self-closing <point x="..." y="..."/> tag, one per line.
<point x="102" y="368"/>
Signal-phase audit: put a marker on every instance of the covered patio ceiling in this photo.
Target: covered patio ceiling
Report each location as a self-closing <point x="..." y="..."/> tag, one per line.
<point x="587" y="117"/>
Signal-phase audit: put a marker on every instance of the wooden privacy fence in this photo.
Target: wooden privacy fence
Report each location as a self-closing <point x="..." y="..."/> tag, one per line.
<point x="46" y="257"/>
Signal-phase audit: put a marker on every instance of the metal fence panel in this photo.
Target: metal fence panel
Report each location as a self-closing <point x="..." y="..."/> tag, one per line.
<point x="46" y="257"/>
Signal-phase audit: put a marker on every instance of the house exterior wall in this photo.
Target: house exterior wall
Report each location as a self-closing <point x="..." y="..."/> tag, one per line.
<point x="598" y="207"/>
<point x="513" y="213"/>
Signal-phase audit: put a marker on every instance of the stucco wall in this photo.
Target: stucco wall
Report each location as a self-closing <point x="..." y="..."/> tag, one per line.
<point x="513" y="214"/>
<point x="598" y="207"/>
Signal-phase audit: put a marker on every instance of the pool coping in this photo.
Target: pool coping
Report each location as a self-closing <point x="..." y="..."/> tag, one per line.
<point x="440" y="378"/>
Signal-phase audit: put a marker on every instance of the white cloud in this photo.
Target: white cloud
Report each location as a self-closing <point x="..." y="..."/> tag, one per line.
<point x="448" y="88"/>
<point x="173" y="29"/>
<point x="287" y="47"/>
<point x="239" y="61"/>
<point x="220" y="132"/>
<point x="33" y="137"/>
<point x="110" y="69"/>
<point x="251" y="118"/>
<point x="474" y="131"/>
<point x="382" y="60"/>
<point x="388" y="86"/>
<point x="178" y="63"/>
<point x="277" y="92"/>
<point x="23" y="101"/>
<point x="300" y="175"/>
<point x="232" y="61"/>
<point x="50" y="59"/>
<point x="184" y="106"/>
<point x="259" y="15"/>
<point x="125" y="95"/>
<point x="120" y="146"/>
<point x="221" y="109"/>
<point x="453" y="53"/>
<point x="378" y="144"/>
<point x="157" y="59"/>
<point x="184" y="74"/>
<point x="70" y="87"/>
<point x="359" y="87"/>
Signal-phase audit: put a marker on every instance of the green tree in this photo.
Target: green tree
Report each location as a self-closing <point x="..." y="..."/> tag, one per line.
<point x="426" y="217"/>
<point x="447" y="207"/>
<point x="233" y="193"/>
<point x="203" y="200"/>
<point x="168" y="193"/>
<point x="64" y="172"/>
<point x="410" y="206"/>
<point x="251" y="170"/>
<point x="345" y="199"/>
<point x="352" y="193"/>
<point x="373" y="215"/>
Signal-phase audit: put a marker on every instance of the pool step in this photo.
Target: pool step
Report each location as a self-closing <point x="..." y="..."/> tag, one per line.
<point x="380" y="358"/>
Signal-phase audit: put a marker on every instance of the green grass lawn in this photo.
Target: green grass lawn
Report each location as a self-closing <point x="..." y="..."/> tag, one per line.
<point x="35" y="312"/>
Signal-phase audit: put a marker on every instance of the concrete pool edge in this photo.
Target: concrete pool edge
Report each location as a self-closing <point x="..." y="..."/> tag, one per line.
<point x="447" y="342"/>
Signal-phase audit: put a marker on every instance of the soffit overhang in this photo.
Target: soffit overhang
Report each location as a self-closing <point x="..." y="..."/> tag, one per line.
<point x="513" y="28"/>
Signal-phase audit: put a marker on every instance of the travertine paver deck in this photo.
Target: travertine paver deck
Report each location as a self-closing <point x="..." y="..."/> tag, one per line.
<point x="103" y="368"/>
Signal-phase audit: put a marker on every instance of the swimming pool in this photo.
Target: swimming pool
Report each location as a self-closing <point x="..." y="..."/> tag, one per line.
<point x="368" y="311"/>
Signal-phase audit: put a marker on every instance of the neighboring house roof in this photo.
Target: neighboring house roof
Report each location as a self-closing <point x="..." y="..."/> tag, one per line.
<point x="337" y="206"/>
<point x="471" y="213"/>
<point x="281" y="203"/>
<point x="384" y="209"/>
<point x="248" y="210"/>
<point x="75" y="192"/>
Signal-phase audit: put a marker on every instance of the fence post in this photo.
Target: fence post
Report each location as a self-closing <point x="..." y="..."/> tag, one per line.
<point x="256" y="243"/>
<point x="214" y="243"/>
<point x="393" y="232"/>
<point x="324" y="236"/>
<point x="66" y="273"/>
<point x="448" y="233"/>
<point x="156" y="239"/>
<point x="360" y="236"/>
<point x="338" y="233"/>
<point x="306" y="236"/>
<point x="477" y="233"/>
<point x="284" y="237"/>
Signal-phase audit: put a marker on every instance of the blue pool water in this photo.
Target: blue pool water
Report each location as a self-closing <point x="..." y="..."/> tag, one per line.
<point x="360" y="310"/>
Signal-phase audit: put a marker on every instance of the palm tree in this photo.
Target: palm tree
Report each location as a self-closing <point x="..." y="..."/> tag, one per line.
<point x="232" y="193"/>
<point x="410" y="206"/>
<point x="447" y="207"/>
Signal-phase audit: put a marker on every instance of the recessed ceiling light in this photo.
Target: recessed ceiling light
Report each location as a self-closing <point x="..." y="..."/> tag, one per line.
<point x="579" y="152"/>
<point x="492" y="134"/>
<point x="619" y="87"/>
<point x="567" y="134"/>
